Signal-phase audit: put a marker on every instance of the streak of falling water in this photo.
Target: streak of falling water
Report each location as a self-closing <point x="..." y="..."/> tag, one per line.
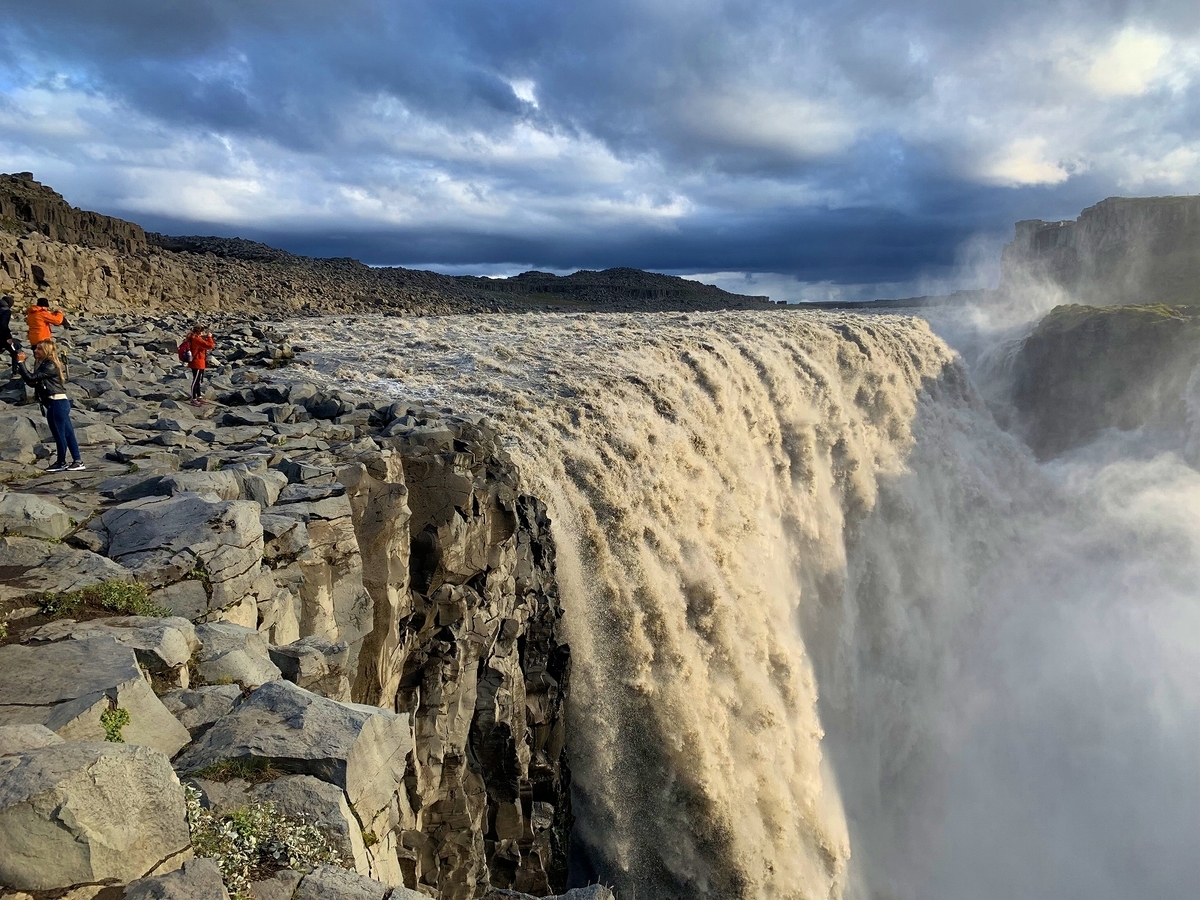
<point x="773" y="526"/>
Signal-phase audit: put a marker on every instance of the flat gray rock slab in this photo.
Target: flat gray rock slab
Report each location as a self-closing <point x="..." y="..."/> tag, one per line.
<point x="16" y="738"/>
<point x="29" y="567"/>
<point x="32" y="515"/>
<point x="361" y="749"/>
<point x="67" y="686"/>
<point x="160" y="643"/>
<point x="198" y="879"/>
<point x="234" y="653"/>
<point x="84" y="813"/>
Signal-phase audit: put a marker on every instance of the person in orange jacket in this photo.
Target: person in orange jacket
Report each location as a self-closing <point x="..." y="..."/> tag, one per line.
<point x="195" y="349"/>
<point x="38" y="320"/>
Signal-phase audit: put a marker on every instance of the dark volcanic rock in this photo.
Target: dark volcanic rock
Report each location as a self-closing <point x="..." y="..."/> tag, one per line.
<point x="1084" y="369"/>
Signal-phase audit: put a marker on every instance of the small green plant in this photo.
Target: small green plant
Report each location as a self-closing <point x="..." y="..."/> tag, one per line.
<point x="113" y="721"/>
<point x="254" y="842"/>
<point x="127" y="598"/>
<point x="133" y="469"/>
<point x="200" y="573"/>
<point x="370" y="839"/>
<point x="253" y="769"/>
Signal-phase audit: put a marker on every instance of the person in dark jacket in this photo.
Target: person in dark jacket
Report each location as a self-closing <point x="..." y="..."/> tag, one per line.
<point x="10" y="343"/>
<point x="50" y="387"/>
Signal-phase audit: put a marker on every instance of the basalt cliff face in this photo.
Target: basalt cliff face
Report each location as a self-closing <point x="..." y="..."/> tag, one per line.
<point x="86" y="261"/>
<point x="1122" y="250"/>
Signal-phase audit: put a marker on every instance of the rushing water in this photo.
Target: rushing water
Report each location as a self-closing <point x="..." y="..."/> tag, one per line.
<point x="835" y="633"/>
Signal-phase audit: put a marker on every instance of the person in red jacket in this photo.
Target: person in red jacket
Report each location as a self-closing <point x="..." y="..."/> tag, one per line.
<point x="196" y="345"/>
<point x="38" y="320"/>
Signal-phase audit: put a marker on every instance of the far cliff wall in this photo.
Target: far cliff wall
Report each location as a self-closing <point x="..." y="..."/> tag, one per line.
<point x="1122" y="250"/>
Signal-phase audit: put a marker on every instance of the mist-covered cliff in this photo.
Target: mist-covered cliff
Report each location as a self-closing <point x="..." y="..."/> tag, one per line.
<point x="1122" y="250"/>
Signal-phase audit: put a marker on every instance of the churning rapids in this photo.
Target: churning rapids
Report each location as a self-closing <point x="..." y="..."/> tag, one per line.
<point x="835" y="633"/>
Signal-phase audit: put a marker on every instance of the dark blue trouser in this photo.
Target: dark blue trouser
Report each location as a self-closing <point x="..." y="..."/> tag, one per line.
<point x="58" y="415"/>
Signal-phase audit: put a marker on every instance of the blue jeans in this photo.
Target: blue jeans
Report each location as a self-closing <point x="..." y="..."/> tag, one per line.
<point x="58" y="416"/>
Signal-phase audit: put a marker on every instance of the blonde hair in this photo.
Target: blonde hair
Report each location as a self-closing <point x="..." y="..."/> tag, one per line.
<point x="51" y="350"/>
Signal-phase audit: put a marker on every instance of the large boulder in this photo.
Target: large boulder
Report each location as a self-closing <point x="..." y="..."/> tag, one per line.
<point x="318" y="803"/>
<point x="316" y="665"/>
<point x="221" y="484"/>
<point x="81" y="813"/>
<point x="361" y="749"/>
<point x="232" y="653"/>
<point x="199" y="879"/>
<point x="33" y="516"/>
<point x="163" y="645"/>
<point x="32" y="566"/>
<point x="164" y="541"/>
<point x="67" y="686"/>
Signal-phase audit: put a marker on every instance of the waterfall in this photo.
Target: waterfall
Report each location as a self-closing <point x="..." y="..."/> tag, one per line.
<point x="835" y="633"/>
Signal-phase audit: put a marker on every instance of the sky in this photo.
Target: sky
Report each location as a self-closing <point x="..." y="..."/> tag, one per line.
<point x="841" y="150"/>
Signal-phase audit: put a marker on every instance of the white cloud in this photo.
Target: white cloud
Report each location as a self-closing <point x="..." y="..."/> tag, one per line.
<point x="1129" y="64"/>
<point x="525" y="90"/>
<point x="1021" y="162"/>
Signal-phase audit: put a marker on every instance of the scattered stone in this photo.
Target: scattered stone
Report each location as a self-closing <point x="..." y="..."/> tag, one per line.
<point x="281" y="886"/>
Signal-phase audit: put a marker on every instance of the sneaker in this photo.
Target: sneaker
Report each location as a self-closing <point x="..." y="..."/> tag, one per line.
<point x="57" y="467"/>
<point x="76" y="466"/>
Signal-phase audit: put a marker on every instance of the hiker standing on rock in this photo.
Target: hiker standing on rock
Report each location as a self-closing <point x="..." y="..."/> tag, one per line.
<point x="50" y="386"/>
<point x="38" y="320"/>
<point x="194" y="351"/>
<point x="11" y="344"/>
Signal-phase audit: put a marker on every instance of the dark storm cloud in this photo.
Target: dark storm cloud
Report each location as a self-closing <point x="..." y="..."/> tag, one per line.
<point x="862" y="144"/>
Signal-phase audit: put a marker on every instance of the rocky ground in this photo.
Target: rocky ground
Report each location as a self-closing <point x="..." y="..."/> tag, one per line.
<point x="303" y="642"/>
